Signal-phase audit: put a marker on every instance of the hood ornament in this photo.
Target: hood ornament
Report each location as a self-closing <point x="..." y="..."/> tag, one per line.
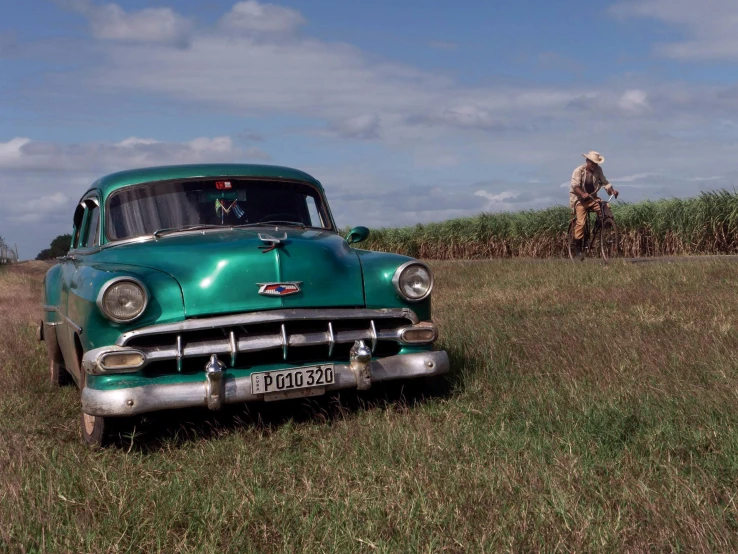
<point x="271" y="242"/>
<point x="279" y="289"/>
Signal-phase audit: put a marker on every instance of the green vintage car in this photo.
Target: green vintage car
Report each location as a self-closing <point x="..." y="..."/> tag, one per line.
<point x="204" y="285"/>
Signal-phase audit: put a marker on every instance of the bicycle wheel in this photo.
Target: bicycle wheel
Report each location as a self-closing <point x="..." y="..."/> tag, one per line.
<point x="570" y="240"/>
<point x="609" y="242"/>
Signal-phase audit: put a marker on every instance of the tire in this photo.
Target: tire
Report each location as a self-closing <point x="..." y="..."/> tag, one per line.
<point x="98" y="431"/>
<point x="58" y="375"/>
<point x="609" y="240"/>
<point x="570" y="240"/>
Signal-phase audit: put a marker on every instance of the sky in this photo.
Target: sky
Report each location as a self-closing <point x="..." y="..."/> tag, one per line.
<point x="408" y="111"/>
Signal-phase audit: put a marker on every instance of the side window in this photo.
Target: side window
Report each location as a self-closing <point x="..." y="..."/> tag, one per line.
<point x="92" y="226"/>
<point x="79" y="217"/>
<point x="313" y="212"/>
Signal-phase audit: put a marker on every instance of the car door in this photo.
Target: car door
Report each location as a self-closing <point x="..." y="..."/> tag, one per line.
<point x="86" y="239"/>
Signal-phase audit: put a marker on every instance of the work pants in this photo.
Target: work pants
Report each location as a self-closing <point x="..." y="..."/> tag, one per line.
<point x="581" y="210"/>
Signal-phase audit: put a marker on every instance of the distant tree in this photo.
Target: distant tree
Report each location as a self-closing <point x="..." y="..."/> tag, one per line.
<point x="59" y="247"/>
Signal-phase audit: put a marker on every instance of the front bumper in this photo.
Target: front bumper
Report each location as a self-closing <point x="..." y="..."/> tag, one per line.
<point x="230" y="390"/>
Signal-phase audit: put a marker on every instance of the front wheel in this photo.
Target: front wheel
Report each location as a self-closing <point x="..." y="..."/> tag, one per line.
<point x="609" y="240"/>
<point x="58" y="375"/>
<point x="98" y="431"/>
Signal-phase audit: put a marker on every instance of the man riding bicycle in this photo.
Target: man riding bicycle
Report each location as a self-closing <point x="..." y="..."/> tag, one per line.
<point x="586" y="181"/>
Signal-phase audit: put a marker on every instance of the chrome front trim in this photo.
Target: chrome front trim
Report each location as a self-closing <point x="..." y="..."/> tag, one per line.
<point x="374" y="335"/>
<point x="150" y="398"/>
<point x="285" y="341"/>
<point x="232" y="345"/>
<point x="273" y="316"/>
<point x="74" y="326"/>
<point x="179" y="354"/>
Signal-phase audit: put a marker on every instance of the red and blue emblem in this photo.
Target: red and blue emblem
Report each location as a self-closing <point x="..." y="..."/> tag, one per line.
<point x="279" y="289"/>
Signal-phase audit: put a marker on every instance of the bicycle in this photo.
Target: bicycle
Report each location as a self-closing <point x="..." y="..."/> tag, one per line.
<point x="604" y="229"/>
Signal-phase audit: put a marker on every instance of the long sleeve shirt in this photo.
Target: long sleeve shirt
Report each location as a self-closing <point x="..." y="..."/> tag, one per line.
<point x="590" y="181"/>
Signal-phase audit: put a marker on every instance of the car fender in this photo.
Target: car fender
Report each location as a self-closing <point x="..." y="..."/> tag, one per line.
<point x="378" y="269"/>
<point x="165" y="303"/>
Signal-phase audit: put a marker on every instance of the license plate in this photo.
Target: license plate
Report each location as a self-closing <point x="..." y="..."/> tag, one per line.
<point x="284" y="380"/>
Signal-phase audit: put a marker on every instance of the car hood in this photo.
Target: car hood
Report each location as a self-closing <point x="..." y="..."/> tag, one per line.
<point x="221" y="271"/>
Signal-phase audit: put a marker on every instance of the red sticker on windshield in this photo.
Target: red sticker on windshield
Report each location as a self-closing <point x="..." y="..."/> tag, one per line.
<point x="221" y="185"/>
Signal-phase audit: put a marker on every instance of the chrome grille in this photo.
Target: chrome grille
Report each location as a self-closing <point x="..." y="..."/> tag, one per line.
<point x="245" y="339"/>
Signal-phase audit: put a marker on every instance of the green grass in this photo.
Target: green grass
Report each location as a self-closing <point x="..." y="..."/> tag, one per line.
<point x="593" y="408"/>
<point x="707" y="224"/>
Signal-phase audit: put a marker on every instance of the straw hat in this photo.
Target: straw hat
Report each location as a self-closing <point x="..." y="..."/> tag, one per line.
<point x="594" y="156"/>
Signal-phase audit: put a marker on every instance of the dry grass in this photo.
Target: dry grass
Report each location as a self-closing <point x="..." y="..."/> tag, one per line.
<point x="594" y="408"/>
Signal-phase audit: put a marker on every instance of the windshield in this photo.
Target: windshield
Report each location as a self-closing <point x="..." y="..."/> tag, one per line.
<point x="145" y="209"/>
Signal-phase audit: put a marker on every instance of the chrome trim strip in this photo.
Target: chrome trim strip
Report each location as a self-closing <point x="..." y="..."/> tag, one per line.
<point x="396" y="280"/>
<point x="285" y="342"/>
<point x="179" y="353"/>
<point x="150" y="398"/>
<point x="273" y="316"/>
<point x="76" y="327"/>
<point x="374" y="335"/>
<point x="233" y="347"/>
<point x="331" y="339"/>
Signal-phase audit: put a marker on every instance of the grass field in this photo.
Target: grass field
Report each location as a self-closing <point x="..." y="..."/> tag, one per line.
<point x="592" y="408"/>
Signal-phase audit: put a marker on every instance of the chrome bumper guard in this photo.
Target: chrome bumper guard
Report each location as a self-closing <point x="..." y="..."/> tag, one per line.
<point x="219" y="388"/>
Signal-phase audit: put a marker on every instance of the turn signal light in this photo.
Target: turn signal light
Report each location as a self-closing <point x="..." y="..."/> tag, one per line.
<point x="122" y="360"/>
<point x="419" y="334"/>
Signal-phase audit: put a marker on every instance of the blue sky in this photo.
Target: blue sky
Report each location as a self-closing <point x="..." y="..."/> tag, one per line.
<point x="407" y="111"/>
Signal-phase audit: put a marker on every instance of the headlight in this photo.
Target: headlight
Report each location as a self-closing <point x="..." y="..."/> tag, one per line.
<point x="413" y="281"/>
<point x="122" y="299"/>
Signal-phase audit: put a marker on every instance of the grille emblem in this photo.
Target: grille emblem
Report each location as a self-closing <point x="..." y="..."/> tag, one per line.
<point x="279" y="289"/>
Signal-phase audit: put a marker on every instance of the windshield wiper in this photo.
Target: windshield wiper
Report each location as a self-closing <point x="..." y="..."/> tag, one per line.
<point x="160" y="232"/>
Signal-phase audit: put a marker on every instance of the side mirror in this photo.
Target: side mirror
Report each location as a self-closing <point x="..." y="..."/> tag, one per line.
<point x="357" y="234"/>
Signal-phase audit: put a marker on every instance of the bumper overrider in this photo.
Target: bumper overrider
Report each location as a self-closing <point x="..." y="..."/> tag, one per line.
<point x="219" y="385"/>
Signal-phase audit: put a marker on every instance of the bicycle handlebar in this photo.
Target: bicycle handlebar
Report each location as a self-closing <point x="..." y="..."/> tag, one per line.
<point x="600" y="199"/>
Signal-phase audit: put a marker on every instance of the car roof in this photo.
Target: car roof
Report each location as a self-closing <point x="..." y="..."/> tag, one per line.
<point x="110" y="183"/>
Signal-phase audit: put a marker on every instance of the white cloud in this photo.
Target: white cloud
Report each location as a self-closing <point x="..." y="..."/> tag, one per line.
<point x="252" y="16"/>
<point x="633" y="178"/>
<point x="11" y="151"/>
<point x="30" y="210"/>
<point x="132" y="142"/>
<point x="25" y="154"/>
<point x="710" y="25"/>
<point x="634" y="101"/>
<point x="365" y="126"/>
<point x="150" y="25"/>
<point x="497" y="202"/>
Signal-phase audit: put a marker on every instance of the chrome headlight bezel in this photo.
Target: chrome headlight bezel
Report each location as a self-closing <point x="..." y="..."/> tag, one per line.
<point x="106" y="287"/>
<point x="398" y="274"/>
